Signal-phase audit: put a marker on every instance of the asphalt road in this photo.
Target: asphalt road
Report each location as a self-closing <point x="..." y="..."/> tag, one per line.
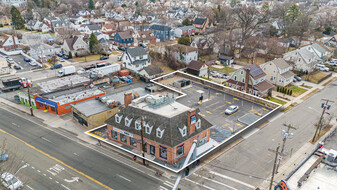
<point x="249" y="163"/>
<point x="46" y="150"/>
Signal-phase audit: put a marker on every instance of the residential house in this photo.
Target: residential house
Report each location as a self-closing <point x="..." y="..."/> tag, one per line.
<point x="98" y="21"/>
<point x="301" y="59"/>
<point x="162" y="32"/>
<point x="123" y="39"/>
<point x="168" y="133"/>
<point x="197" y="68"/>
<point x="321" y="52"/>
<point x="109" y="29"/>
<point x="9" y="43"/>
<point x="250" y="79"/>
<point x="63" y="33"/>
<point x="183" y="53"/>
<point x="202" y="25"/>
<point x="122" y="25"/>
<point x="36" y="25"/>
<point x="61" y="23"/>
<point x="146" y="37"/>
<point x="201" y="43"/>
<point x="90" y="28"/>
<point x="43" y="50"/>
<point x="75" y="45"/>
<point x="184" y="31"/>
<point x="16" y="3"/>
<point x="4" y="20"/>
<point x="151" y="72"/>
<point x="278" y="72"/>
<point x="227" y="60"/>
<point x="78" y="20"/>
<point x="135" y="59"/>
<point x="84" y="13"/>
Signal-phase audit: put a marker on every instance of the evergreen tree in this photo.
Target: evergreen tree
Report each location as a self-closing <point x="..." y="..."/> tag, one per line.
<point x="29" y="14"/>
<point x="91" y="5"/>
<point x="184" y="40"/>
<point x="186" y="22"/>
<point x="70" y="55"/>
<point x="291" y="92"/>
<point x="277" y="88"/>
<point x="17" y="20"/>
<point x="92" y="42"/>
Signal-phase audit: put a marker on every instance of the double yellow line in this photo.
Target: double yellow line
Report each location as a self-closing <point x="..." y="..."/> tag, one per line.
<point x="57" y="160"/>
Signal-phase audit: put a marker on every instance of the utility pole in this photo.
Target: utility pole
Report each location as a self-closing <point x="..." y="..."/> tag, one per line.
<point x="29" y="98"/>
<point x="286" y="135"/>
<point x="325" y="106"/>
<point x="272" y="175"/>
<point x="141" y="134"/>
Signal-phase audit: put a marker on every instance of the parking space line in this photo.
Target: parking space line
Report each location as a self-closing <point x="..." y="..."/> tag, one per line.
<point x="238" y="124"/>
<point x="214" y="181"/>
<point x="208" y="112"/>
<point x="202" y="115"/>
<point x="218" y="93"/>
<point x="224" y="125"/>
<point x="234" y="113"/>
<point x="257" y="113"/>
<point x="219" y="107"/>
<point x="265" y="109"/>
<point x="236" y="99"/>
<point x="211" y="105"/>
<point x="229" y="102"/>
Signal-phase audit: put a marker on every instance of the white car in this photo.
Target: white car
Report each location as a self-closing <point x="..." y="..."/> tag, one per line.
<point x="32" y="63"/>
<point x="11" y="182"/>
<point x="10" y="60"/>
<point x="231" y="109"/>
<point x="332" y="63"/>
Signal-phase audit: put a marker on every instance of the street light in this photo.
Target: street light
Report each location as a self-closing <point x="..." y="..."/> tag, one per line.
<point x="24" y="166"/>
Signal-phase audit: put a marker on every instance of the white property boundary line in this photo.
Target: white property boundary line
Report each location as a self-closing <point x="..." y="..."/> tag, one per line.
<point x="183" y="94"/>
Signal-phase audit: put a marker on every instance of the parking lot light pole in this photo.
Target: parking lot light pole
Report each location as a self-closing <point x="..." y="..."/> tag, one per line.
<point x="29" y="98"/>
<point x="24" y="166"/>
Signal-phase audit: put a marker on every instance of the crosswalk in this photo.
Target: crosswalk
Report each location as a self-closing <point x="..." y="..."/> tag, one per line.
<point x="168" y="186"/>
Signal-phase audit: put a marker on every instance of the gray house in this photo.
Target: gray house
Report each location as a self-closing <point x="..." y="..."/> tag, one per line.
<point x="278" y="72"/>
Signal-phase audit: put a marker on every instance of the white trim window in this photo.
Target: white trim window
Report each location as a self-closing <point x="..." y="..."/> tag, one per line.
<point x="148" y="128"/>
<point x="118" y="118"/>
<point x="159" y="133"/>
<point x="198" y="124"/>
<point x="183" y="131"/>
<point x="138" y="125"/>
<point x="128" y="121"/>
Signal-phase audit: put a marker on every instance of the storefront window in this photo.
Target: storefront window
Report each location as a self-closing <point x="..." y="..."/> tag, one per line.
<point x="180" y="151"/>
<point x="152" y="150"/>
<point x="163" y="153"/>
<point x="123" y="138"/>
<point x="133" y="142"/>
<point x="114" y="135"/>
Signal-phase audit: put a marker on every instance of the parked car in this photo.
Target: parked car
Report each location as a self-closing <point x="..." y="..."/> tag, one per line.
<point x="11" y="182"/>
<point x="322" y="67"/>
<point x="129" y="77"/>
<point x="231" y="109"/>
<point x="104" y="58"/>
<point x="61" y="60"/>
<point x="26" y="59"/>
<point x="224" y="76"/>
<point x="3" y="155"/>
<point x="65" y="57"/>
<point x="215" y="74"/>
<point x="56" y="66"/>
<point x="32" y="63"/>
<point x="121" y="48"/>
<point x="59" y="54"/>
<point x="10" y="60"/>
<point x="125" y="79"/>
<point x="142" y="45"/>
<point x="148" y="87"/>
<point x="332" y="63"/>
<point x="17" y="67"/>
<point x="297" y="78"/>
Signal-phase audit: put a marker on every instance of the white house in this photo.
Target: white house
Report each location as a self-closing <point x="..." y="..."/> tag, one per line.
<point x="41" y="50"/>
<point x="184" y="31"/>
<point x="38" y="26"/>
<point x="90" y="28"/>
<point x="75" y="45"/>
<point x="301" y="59"/>
<point x="135" y="59"/>
<point x="9" y="43"/>
<point x="17" y="3"/>
<point x="278" y="72"/>
<point x="183" y="53"/>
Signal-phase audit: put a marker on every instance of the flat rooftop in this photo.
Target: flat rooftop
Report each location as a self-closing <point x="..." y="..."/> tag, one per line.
<point x="79" y="95"/>
<point x="91" y="107"/>
<point x="60" y="83"/>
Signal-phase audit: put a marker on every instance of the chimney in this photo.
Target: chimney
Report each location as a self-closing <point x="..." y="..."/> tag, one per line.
<point x="191" y="120"/>
<point x="127" y="98"/>
<point x="247" y="80"/>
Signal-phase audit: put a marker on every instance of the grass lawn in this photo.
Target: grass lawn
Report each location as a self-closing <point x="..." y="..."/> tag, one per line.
<point x="226" y="69"/>
<point x="258" y="60"/>
<point x="209" y="57"/>
<point x="289" y="107"/>
<point x="88" y="58"/>
<point x="306" y="86"/>
<point x="278" y="101"/>
<point x="297" y="90"/>
<point x="315" y="77"/>
<point x="165" y="68"/>
<point x="115" y="53"/>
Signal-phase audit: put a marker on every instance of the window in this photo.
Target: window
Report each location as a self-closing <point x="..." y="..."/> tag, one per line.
<point x="198" y="124"/>
<point x="148" y="128"/>
<point x="127" y="121"/>
<point x="180" y="151"/>
<point x="243" y="79"/>
<point x="118" y="118"/>
<point x="114" y="135"/>
<point x="241" y="72"/>
<point x="137" y="125"/>
<point x="159" y="133"/>
<point x="133" y="142"/>
<point x="234" y="77"/>
<point x="264" y="69"/>
<point x="123" y="138"/>
<point x="163" y="153"/>
<point x="152" y="150"/>
<point x="183" y="131"/>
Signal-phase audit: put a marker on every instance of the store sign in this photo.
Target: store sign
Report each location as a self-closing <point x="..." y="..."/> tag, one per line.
<point x="46" y="102"/>
<point x="123" y="132"/>
<point x="193" y="119"/>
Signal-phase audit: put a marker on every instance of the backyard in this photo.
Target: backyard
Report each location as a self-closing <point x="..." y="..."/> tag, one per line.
<point x="224" y="69"/>
<point x="87" y="58"/>
<point x="297" y="90"/>
<point x="315" y="77"/>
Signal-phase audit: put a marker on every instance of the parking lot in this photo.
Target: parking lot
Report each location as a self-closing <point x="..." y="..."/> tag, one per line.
<point x="19" y="60"/>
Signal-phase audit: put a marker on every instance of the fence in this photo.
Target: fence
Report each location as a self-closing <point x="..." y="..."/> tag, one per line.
<point x="322" y="79"/>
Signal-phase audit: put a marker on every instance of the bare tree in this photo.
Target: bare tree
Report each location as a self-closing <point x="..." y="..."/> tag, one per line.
<point x="280" y="12"/>
<point x="273" y="48"/>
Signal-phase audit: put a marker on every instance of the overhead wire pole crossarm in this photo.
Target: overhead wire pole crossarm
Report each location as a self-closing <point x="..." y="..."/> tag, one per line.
<point x="325" y="106"/>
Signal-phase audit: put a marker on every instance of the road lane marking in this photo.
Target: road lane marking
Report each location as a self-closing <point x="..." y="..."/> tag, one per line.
<point x="56" y="182"/>
<point x="168" y="184"/>
<point x="76" y="154"/>
<point x="265" y="109"/>
<point x="211" y="105"/>
<point x="57" y="160"/>
<point x="124" y="178"/>
<point x="257" y="113"/>
<point x="38" y="171"/>
<point x="232" y="179"/>
<point x="236" y="99"/>
<point x="29" y="187"/>
<point x="50" y="178"/>
<point x="163" y="187"/>
<point x="45" y="139"/>
<point x="44" y="174"/>
<point x="202" y="185"/>
<point x="214" y="181"/>
<point x="218" y="93"/>
<point x="65" y="187"/>
<point x="208" y="112"/>
<point x="233" y="114"/>
<point x="229" y="102"/>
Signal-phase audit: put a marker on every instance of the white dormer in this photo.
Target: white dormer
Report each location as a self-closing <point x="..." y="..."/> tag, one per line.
<point x="118" y="118"/>
<point x="198" y="124"/>
<point x="148" y="128"/>
<point x="159" y="133"/>
<point x="143" y="36"/>
<point x="127" y="121"/>
<point x="183" y="131"/>
<point x="138" y="125"/>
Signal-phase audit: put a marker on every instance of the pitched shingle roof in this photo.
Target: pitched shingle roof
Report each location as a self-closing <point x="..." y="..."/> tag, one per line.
<point x="281" y="63"/>
<point x="138" y="51"/>
<point x="160" y="27"/>
<point x="255" y="71"/>
<point x="153" y="70"/>
<point x="195" y="65"/>
<point x="125" y="35"/>
<point x="71" y="42"/>
<point x="94" y="27"/>
<point x="199" y="21"/>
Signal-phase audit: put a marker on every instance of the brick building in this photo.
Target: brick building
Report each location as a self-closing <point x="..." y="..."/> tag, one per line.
<point x="169" y="128"/>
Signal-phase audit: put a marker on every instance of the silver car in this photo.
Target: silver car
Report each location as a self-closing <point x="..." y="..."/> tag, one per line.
<point x="231" y="109"/>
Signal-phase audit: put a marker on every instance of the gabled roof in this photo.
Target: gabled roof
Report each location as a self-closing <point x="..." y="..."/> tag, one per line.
<point x="125" y="35"/>
<point x="184" y="28"/>
<point x="160" y="27"/>
<point x="183" y="48"/>
<point x="199" y="21"/>
<point x="195" y="65"/>
<point x="134" y="52"/>
<point x="255" y="71"/>
<point x="71" y="41"/>
<point x="280" y="63"/>
<point x="318" y="48"/>
<point x="153" y="70"/>
<point x="147" y="34"/>
<point x="94" y="27"/>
